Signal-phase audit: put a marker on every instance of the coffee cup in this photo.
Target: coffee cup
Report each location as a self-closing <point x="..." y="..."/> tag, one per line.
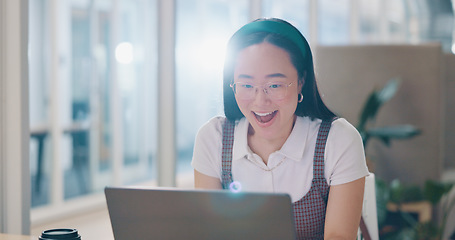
<point x="60" y="233"/>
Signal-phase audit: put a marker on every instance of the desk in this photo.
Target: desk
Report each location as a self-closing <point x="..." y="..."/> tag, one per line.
<point x="4" y="236"/>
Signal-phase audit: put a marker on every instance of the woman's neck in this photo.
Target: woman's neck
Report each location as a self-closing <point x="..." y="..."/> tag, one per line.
<point x="266" y="146"/>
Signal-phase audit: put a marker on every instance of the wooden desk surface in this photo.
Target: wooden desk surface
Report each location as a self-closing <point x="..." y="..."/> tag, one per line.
<point x="16" y="237"/>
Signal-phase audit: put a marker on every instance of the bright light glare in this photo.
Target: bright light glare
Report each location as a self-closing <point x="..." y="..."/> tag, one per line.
<point x="208" y="56"/>
<point x="124" y="53"/>
<point x="213" y="50"/>
<point x="453" y="48"/>
<point x="235" y="187"/>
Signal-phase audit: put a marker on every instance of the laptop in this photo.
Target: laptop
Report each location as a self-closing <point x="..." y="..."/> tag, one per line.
<point x="168" y="213"/>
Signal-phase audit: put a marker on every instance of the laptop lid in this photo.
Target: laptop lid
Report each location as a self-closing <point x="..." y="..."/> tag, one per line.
<point x="160" y="213"/>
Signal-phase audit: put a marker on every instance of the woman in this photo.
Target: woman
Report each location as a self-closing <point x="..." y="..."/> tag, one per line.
<point x="278" y="136"/>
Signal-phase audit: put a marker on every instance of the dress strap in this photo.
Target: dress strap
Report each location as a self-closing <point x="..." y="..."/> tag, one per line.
<point x="310" y="210"/>
<point x="318" y="161"/>
<point x="226" y="155"/>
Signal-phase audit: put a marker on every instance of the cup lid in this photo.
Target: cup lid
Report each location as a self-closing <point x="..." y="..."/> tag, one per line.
<point x="60" y="233"/>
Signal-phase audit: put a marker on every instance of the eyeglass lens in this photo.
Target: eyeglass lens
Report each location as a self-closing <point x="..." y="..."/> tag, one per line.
<point x="248" y="91"/>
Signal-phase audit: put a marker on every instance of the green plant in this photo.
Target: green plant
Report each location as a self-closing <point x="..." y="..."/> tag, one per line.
<point x="407" y="226"/>
<point x="395" y="191"/>
<point x="375" y="101"/>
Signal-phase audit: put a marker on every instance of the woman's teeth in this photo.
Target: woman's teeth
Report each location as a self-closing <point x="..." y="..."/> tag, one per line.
<point x="263" y="114"/>
<point x="265" y="117"/>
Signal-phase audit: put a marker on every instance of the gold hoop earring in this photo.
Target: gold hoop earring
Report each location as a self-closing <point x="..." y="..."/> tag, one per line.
<point x="300" y="98"/>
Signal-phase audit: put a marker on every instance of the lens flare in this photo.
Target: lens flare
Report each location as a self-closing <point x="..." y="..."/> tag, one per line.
<point x="235" y="187"/>
<point x="124" y="53"/>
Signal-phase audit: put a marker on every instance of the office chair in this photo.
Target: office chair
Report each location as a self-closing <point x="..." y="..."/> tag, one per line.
<point x="369" y="211"/>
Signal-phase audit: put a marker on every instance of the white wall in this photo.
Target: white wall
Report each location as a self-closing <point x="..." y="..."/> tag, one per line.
<point x="347" y="74"/>
<point x="14" y="134"/>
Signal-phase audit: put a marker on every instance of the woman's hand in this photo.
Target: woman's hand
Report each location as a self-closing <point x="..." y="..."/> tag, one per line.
<point x="344" y="209"/>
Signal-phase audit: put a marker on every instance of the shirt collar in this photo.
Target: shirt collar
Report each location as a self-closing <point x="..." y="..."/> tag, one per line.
<point x="240" y="148"/>
<point x="293" y="148"/>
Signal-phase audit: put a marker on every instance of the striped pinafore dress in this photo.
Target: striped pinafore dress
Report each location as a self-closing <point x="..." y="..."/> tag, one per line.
<point x="309" y="211"/>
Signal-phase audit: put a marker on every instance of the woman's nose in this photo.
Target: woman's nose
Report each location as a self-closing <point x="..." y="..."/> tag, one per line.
<point x="261" y="94"/>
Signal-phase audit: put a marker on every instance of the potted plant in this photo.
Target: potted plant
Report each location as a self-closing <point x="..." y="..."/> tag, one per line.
<point x="395" y="195"/>
<point x="375" y="100"/>
<point x="409" y="210"/>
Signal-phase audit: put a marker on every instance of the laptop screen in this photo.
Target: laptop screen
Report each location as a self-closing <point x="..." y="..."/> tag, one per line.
<point x="164" y="213"/>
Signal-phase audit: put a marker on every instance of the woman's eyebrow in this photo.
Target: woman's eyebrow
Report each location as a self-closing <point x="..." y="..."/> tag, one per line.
<point x="273" y="75"/>
<point x="244" y="76"/>
<point x="276" y="75"/>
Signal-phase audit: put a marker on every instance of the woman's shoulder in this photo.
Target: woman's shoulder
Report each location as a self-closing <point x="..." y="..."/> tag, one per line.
<point x="340" y="126"/>
<point x="343" y="126"/>
<point x="212" y="126"/>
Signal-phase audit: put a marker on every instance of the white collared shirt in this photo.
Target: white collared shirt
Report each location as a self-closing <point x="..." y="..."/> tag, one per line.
<point x="292" y="165"/>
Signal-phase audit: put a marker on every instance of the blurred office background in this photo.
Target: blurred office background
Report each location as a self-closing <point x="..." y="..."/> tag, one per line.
<point x="96" y="80"/>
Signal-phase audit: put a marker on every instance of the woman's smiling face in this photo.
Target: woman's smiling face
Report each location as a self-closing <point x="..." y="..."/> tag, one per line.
<point x="259" y="65"/>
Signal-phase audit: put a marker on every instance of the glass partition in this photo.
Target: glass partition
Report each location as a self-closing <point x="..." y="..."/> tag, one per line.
<point x="296" y="12"/>
<point x="136" y="56"/>
<point x="333" y="22"/>
<point x="92" y="96"/>
<point x="39" y="75"/>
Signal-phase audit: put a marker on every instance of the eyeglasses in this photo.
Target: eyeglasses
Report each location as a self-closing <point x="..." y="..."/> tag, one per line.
<point x="246" y="91"/>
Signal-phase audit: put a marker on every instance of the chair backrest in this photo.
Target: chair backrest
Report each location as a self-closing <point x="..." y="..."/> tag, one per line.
<point x="369" y="211"/>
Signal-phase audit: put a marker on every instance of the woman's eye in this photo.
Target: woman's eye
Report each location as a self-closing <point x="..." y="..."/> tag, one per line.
<point x="247" y="86"/>
<point x="275" y="85"/>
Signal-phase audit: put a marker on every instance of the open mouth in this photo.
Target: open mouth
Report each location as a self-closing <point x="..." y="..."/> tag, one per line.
<point x="265" y="117"/>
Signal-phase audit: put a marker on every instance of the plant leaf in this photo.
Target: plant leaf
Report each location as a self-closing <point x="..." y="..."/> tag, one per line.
<point x="433" y="191"/>
<point x="382" y="198"/>
<point x="385" y="140"/>
<point x="369" y="110"/>
<point x="375" y="100"/>
<point x="394" y="132"/>
<point x="396" y="191"/>
<point x="389" y="90"/>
